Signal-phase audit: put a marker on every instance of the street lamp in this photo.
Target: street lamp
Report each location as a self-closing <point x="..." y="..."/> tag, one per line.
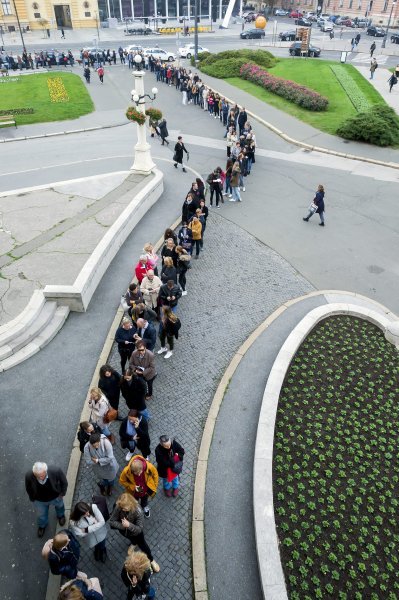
<point x="143" y="162"/>
<point x="389" y="22"/>
<point x="19" y="27"/>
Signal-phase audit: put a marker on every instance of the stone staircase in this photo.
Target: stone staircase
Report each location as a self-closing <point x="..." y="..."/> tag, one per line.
<point x="34" y="327"/>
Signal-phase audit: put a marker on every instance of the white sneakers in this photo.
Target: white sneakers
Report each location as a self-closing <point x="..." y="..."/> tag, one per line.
<point x="162" y="350"/>
<point x="168" y="354"/>
<point x="128" y="456"/>
<point x="184" y="293"/>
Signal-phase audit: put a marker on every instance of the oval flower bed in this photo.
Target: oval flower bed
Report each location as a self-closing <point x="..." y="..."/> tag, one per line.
<point x="335" y="465"/>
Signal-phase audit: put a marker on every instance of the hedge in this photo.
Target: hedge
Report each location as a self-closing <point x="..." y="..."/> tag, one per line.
<point x="289" y="90"/>
<point x="351" y="88"/>
<point x="379" y="126"/>
<point x="228" y="63"/>
<point x="16" y="111"/>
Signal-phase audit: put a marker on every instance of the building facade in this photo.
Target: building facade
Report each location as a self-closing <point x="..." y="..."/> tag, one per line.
<point x="378" y="11"/>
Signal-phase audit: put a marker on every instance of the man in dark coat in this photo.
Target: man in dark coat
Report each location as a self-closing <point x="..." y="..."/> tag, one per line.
<point x="178" y="155"/>
<point x="167" y="454"/>
<point x="147" y="332"/>
<point x="169" y="294"/>
<point x="46" y="486"/>
<point x="134" y="432"/>
<point x="189" y="207"/>
<point x="242" y="119"/>
<point x="134" y="390"/>
<point x="163" y="131"/>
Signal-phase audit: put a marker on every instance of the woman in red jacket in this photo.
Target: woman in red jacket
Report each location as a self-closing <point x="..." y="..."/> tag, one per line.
<point x="142" y="267"/>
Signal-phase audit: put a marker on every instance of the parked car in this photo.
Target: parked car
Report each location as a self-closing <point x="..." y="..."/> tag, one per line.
<point x="287" y="36"/>
<point x="133" y="48"/>
<point x="395" y="38"/>
<point x="327" y="26"/>
<point x="303" y="22"/>
<point x="294" y="14"/>
<point x="311" y="16"/>
<point x="280" y="12"/>
<point x="251" y="34"/>
<point x="160" y="54"/>
<point x="345" y="23"/>
<point x="362" y="22"/>
<point x="250" y="18"/>
<point x="375" y="31"/>
<point x="295" y="50"/>
<point x="188" y="50"/>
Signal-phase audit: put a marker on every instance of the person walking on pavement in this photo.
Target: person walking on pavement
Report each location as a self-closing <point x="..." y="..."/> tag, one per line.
<point x="178" y="155"/>
<point x="62" y="34"/>
<point x="372" y="49"/>
<point x="353" y="44"/>
<point x="98" y="453"/>
<point x="140" y="479"/>
<point x="87" y="524"/>
<point x="169" y="330"/>
<point x="393" y="80"/>
<point x="317" y="206"/>
<point x="86" y="73"/>
<point x="127" y="518"/>
<point x="357" y="39"/>
<point x="163" y="131"/>
<point x="100" y="73"/>
<point x="169" y="457"/>
<point x="46" y="486"/>
<point x="373" y="67"/>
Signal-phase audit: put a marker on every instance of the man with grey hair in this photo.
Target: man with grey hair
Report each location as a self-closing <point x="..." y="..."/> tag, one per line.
<point x="147" y="332"/>
<point x="46" y="486"/>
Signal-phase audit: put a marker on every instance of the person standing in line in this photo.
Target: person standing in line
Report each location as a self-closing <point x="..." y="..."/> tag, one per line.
<point x="125" y="340"/>
<point x="63" y="553"/>
<point x="167" y="454"/>
<point x="127" y="518"/>
<point x="46" y="486"/>
<point x="98" y="454"/>
<point x="142" y="362"/>
<point x="185" y="237"/>
<point x="214" y="181"/>
<point x="170" y="329"/>
<point x="242" y="119"/>
<point x="85" y="430"/>
<point x="169" y="270"/>
<point x="373" y="67"/>
<point x="99" y="406"/>
<point x="196" y="228"/>
<point x="146" y="331"/>
<point x="134" y="390"/>
<point x="81" y="588"/>
<point x="140" y="478"/>
<point x="136" y="575"/>
<point x="87" y="524"/>
<point x="178" y="155"/>
<point x="109" y="384"/>
<point x="150" y="287"/>
<point x="317" y="206"/>
<point x="183" y="264"/>
<point x="235" y="182"/>
<point x="372" y="49"/>
<point x="133" y="433"/>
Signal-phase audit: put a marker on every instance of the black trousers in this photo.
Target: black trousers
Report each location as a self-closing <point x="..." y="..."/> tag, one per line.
<point x="182" y="281"/>
<point x="125" y="355"/>
<point x="139" y="541"/>
<point x="219" y="196"/>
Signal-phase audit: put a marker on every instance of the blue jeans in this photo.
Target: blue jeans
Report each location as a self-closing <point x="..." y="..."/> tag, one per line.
<point x="106" y="482"/>
<point x="236" y="193"/>
<point x="105" y="430"/>
<point x="42" y="510"/>
<point x="167" y="485"/>
<point x="145" y="414"/>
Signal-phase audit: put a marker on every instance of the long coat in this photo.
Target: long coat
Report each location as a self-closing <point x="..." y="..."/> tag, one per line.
<point x="107" y="466"/>
<point x="97" y="530"/>
<point x="147" y="362"/>
<point x="179" y="149"/>
<point x="128" y="481"/>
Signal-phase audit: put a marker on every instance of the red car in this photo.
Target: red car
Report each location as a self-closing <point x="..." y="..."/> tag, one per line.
<point x="296" y="15"/>
<point x="347" y="23"/>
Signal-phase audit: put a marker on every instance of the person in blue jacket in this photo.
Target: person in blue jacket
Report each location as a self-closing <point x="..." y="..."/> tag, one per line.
<point x="64" y="554"/>
<point x="319" y="203"/>
<point x="80" y="589"/>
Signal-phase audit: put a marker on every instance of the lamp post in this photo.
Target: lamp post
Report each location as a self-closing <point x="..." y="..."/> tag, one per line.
<point x="19" y="27"/>
<point x="389" y="22"/>
<point x="143" y="162"/>
<point x="196" y="31"/>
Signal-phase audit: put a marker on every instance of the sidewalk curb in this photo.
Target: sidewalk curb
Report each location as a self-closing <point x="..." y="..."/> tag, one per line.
<point x="57" y="133"/>
<point x="54" y="582"/>
<point x="198" y="517"/>
<point x="310" y="147"/>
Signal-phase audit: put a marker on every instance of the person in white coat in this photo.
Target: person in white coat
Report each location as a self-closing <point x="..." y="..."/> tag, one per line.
<point x="88" y="525"/>
<point x="150" y="287"/>
<point x="98" y="453"/>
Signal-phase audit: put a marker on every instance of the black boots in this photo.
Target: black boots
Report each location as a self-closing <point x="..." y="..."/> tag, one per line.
<point x="102" y="488"/>
<point x="100" y="554"/>
<point x="305" y="218"/>
<point x="109" y="490"/>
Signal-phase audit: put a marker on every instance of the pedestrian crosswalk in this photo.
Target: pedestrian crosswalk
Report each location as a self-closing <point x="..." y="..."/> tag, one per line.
<point x="360" y="57"/>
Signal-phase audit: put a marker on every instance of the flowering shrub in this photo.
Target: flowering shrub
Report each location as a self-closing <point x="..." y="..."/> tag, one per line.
<point x="289" y="90"/>
<point x="57" y="90"/>
<point x="135" y="115"/>
<point x="351" y="88"/>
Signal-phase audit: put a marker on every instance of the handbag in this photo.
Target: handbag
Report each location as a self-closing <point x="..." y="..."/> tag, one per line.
<point x="178" y="467"/>
<point x="110" y="415"/>
<point x="124" y="304"/>
<point x="313" y="207"/>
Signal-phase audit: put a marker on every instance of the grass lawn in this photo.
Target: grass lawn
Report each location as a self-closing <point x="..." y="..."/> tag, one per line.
<point x="32" y="91"/>
<point x="318" y="76"/>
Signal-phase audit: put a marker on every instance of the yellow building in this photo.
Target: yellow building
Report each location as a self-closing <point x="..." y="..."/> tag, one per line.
<point x="48" y="14"/>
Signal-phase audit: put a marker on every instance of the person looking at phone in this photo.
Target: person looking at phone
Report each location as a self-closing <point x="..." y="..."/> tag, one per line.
<point x="140" y="478"/>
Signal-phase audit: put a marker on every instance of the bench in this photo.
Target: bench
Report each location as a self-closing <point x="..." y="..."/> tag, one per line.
<point x="7" y="120"/>
<point x="4" y="71"/>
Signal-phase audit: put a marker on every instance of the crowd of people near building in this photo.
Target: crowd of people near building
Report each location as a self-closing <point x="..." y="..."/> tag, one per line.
<point x="119" y="406"/>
